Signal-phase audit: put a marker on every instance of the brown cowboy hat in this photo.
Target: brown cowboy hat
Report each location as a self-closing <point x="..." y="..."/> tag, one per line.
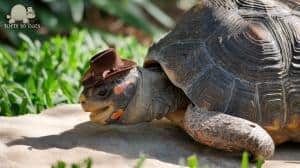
<point x="105" y="65"/>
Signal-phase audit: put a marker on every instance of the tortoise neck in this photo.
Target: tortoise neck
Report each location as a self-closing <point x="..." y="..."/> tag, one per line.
<point x="154" y="98"/>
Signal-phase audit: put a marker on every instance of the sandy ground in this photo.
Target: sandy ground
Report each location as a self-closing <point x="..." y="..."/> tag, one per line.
<point x="64" y="133"/>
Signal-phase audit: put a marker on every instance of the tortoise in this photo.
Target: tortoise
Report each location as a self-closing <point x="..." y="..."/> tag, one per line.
<point x="19" y="13"/>
<point x="228" y="74"/>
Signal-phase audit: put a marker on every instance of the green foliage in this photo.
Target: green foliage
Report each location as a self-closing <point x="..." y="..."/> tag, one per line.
<point x="140" y="161"/>
<point x="61" y="16"/>
<point x="59" y="164"/>
<point x="245" y="161"/>
<point x="87" y="163"/>
<point x="41" y="75"/>
<point x="259" y="163"/>
<point x="192" y="161"/>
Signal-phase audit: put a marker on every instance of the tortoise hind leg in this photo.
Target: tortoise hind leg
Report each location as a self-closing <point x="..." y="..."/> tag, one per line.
<point x="227" y="132"/>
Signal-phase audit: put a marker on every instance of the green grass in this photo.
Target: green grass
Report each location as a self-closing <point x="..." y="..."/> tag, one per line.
<point x="245" y="160"/>
<point x="140" y="161"/>
<point x="41" y="75"/>
<point x="192" y="162"/>
<point x="87" y="163"/>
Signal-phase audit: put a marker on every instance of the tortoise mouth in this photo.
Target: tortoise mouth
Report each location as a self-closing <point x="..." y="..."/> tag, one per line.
<point x="92" y="106"/>
<point x="104" y="108"/>
<point x="102" y="114"/>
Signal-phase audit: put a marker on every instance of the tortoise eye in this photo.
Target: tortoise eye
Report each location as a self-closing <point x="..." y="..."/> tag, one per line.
<point x="103" y="92"/>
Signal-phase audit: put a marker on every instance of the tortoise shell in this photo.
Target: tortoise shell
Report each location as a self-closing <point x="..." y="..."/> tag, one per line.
<point x="240" y="57"/>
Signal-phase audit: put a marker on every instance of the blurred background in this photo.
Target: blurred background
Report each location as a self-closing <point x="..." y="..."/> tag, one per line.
<point x="143" y="19"/>
<point x="42" y="61"/>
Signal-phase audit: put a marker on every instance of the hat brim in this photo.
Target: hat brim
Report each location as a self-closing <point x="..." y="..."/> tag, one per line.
<point x="90" y="78"/>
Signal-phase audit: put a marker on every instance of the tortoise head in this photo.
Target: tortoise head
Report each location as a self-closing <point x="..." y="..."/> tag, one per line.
<point x="108" y="100"/>
<point x="109" y="85"/>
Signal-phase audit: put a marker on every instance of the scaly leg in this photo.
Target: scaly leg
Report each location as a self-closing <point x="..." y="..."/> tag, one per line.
<point x="227" y="132"/>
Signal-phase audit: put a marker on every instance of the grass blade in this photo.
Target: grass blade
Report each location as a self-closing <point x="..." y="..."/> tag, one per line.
<point x="245" y="160"/>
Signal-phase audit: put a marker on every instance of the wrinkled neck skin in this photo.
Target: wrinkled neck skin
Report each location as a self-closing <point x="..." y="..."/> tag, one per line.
<point x="155" y="96"/>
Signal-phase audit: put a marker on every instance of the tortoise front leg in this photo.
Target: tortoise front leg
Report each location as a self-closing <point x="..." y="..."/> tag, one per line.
<point x="227" y="132"/>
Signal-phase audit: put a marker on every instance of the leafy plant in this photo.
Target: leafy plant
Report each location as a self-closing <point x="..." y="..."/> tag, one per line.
<point x="192" y="161"/>
<point x="259" y="163"/>
<point x="245" y="161"/>
<point x="87" y="163"/>
<point x="140" y="161"/>
<point x="41" y="75"/>
<point x="61" y="16"/>
<point x="59" y="164"/>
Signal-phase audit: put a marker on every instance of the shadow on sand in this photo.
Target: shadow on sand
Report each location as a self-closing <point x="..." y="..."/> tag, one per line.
<point x="159" y="139"/>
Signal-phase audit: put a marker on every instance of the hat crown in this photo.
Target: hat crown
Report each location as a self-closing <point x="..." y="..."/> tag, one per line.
<point x="105" y="65"/>
<point x="105" y="61"/>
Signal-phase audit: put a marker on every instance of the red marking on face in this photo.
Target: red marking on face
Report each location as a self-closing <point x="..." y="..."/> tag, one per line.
<point x="121" y="87"/>
<point x="117" y="115"/>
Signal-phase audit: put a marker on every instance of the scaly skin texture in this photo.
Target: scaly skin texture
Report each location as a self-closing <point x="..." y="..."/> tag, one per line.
<point x="227" y="132"/>
<point x="155" y="97"/>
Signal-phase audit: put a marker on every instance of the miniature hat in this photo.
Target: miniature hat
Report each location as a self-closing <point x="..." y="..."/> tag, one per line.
<point x="105" y="65"/>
